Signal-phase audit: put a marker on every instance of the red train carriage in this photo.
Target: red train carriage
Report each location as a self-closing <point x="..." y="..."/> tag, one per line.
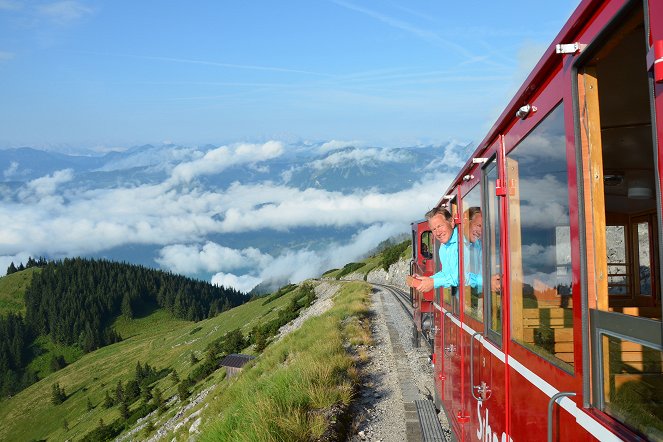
<point x="562" y="336"/>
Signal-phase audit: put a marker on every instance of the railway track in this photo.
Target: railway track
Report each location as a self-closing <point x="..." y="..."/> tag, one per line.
<point x="403" y="299"/>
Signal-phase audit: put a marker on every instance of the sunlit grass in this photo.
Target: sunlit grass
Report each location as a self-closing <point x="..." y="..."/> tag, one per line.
<point x="288" y="392"/>
<point x="158" y="339"/>
<point x="12" y="291"/>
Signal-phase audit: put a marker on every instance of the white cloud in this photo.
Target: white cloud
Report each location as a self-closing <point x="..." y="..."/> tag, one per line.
<point x="211" y="257"/>
<point x="292" y="265"/>
<point x="65" y="11"/>
<point x="11" y="170"/>
<point x="243" y="283"/>
<point x="47" y="185"/>
<point x="77" y="222"/>
<point x="361" y="157"/>
<point x="453" y="158"/>
<point x="17" y="259"/>
<point x="298" y="265"/>
<point x="217" y="160"/>
<point x="161" y="157"/>
<point x="337" y="144"/>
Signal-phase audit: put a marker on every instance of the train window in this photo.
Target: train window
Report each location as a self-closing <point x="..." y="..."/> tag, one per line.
<point x="449" y="294"/>
<point x="415" y="253"/>
<point x="619" y="277"/>
<point x="632" y="384"/>
<point x="540" y="244"/>
<point x="472" y="257"/>
<point x="427" y="245"/>
<point x="491" y="243"/>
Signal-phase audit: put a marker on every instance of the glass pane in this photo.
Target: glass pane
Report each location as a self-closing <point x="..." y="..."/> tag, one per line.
<point x="643" y="259"/>
<point x="492" y="243"/>
<point x="426" y="240"/>
<point x="618" y="278"/>
<point x="615" y="237"/>
<point x="541" y="303"/>
<point x="472" y="260"/>
<point x="633" y="385"/>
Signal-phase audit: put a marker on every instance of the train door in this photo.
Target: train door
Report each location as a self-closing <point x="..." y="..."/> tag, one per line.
<point x="543" y="324"/>
<point x="423" y="264"/>
<point x="486" y="391"/>
<point x="620" y="146"/>
<point x="472" y="301"/>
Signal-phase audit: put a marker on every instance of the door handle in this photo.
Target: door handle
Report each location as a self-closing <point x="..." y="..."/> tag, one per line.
<point x="482" y="389"/>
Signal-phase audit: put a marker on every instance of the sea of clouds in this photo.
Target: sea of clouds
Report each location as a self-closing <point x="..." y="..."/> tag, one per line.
<point x="51" y="216"/>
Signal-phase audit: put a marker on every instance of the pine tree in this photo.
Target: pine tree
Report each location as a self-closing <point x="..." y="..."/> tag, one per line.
<point x="108" y="400"/>
<point x="157" y="396"/>
<point x="90" y="407"/>
<point x="65" y="424"/>
<point x="140" y="372"/>
<point x="127" y="311"/>
<point x="174" y="377"/>
<point x="119" y="392"/>
<point x="58" y="394"/>
<point x="11" y="269"/>
<point x="124" y="410"/>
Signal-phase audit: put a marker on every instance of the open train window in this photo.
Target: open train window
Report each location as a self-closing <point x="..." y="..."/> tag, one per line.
<point x="449" y="294"/>
<point x="621" y="221"/>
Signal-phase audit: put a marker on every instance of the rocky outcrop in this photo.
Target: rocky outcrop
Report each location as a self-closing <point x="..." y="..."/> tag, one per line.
<point x="395" y="276"/>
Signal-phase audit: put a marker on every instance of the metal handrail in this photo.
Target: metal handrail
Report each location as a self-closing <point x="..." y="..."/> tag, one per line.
<point x="551" y="404"/>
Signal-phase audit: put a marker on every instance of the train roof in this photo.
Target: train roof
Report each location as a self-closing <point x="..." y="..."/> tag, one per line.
<point x="548" y="63"/>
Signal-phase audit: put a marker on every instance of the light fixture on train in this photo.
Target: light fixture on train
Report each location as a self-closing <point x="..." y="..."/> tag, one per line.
<point x="524" y="111"/>
<point x="468" y="177"/>
<point x="613" y="179"/>
<point x="640" y="184"/>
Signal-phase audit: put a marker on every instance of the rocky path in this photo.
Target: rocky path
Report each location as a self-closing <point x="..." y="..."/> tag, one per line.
<point x="394" y="375"/>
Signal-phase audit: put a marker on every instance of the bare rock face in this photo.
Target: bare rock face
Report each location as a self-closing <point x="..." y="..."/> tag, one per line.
<point x="395" y="276"/>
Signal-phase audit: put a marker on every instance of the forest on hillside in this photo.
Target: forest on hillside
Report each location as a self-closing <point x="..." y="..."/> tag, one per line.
<point x="74" y="301"/>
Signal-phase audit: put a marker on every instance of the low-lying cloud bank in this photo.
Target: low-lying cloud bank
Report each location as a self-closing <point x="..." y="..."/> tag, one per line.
<point x="49" y="217"/>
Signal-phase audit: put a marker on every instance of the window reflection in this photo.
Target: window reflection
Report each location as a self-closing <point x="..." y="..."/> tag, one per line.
<point x="633" y="384"/>
<point x="472" y="260"/>
<point x="540" y="247"/>
<point x="492" y="244"/>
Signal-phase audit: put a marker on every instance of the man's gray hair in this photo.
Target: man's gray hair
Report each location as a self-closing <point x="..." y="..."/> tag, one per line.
<point x="438" y="211"/>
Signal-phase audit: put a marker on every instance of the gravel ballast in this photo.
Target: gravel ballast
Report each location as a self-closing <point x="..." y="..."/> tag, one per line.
<point x="393" y="376"/>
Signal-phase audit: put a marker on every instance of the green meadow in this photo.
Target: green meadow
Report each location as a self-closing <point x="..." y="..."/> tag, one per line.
<point x="12" y="291"/>
<point x="157" y="339"/>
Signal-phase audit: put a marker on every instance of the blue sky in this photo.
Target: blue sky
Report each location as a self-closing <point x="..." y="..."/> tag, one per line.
<point x="121" y="73"/>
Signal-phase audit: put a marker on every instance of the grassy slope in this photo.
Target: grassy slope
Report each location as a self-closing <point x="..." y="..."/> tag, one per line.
<point x="288" y="392"/>
<point x="12" y="291"/>
<point x="157" y="339"/>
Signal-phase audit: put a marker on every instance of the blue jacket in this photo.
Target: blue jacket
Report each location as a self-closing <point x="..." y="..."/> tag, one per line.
<point x="448" y="276"/>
